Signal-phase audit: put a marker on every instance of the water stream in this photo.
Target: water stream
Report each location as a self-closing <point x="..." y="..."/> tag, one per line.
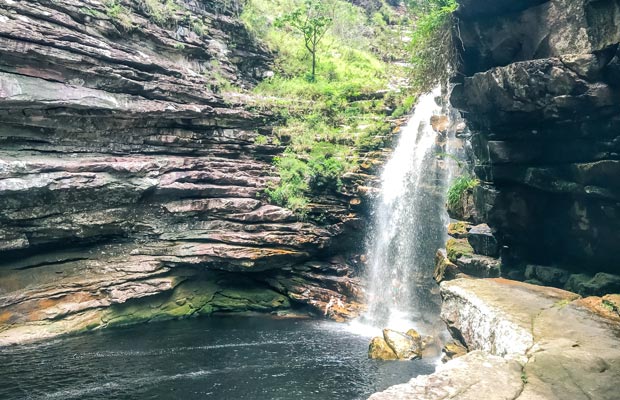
<point x="409" y="226"/>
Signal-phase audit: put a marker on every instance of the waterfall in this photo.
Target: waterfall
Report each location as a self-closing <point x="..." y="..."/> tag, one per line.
<point x="409" y="226"/>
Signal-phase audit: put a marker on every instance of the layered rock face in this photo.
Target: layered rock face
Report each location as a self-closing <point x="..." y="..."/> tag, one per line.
<point x="131" y="190"/>
<point x="540" y="90"/>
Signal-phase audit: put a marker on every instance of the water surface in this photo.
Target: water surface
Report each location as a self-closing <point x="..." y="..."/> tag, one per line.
<point x="210" y="358"/>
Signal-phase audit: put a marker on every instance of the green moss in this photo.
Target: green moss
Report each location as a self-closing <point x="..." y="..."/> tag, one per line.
<point x="457" y="248"/>
<point x="458" y="229"/>
<point x="562" y="303"/>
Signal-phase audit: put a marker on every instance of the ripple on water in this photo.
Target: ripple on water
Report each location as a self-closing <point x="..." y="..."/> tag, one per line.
<point x="212" y="358"/>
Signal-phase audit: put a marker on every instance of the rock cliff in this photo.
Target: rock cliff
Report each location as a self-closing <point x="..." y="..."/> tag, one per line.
<point x="131" y="189"/>
<point x="539" y="87"/>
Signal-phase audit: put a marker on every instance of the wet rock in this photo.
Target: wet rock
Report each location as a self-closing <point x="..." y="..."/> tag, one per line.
<point x="481" y="239"/>
<point x="474" y="376"/>
<point x="380" y="350"/>
<point x="444" y="268"/>
<point x="554" y="345"/>
<point x="415" y="336"/>
<point x="550" y="276"/>
<point x="440" y="123"/>
<point x="453" y="350"/>
<point x="403" y="345"/>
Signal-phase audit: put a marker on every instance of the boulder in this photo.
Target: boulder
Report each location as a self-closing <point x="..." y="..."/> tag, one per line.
<point x="415" y="336"/>
<point x="457" y="248"/>
<point x="479" y="266"/>
<point x="602" y="283"/>
<point x="550" y="276"/>
<point x="404" y="346"/>
<point x="380" y="350"/>
<point x="482" y="240"/>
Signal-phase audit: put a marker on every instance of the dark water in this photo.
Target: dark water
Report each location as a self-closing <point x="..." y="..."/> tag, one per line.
<point x="210" y="358"/>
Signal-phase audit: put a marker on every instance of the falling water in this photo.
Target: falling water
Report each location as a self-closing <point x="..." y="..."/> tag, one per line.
<point x="409" y="226"/>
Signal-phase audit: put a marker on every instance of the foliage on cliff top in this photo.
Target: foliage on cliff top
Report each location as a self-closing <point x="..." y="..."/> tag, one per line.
<point x="328" y="117"/>
<point x="433" y="51"/>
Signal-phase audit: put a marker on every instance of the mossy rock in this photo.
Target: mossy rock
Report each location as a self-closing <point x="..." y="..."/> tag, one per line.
<point x="457" y="248"/>
<point x="458" y="229"/>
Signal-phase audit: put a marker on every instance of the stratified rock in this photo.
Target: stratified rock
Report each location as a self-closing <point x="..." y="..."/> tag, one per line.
<point x="539" y="89"/>
<point x="126" y="175"/>
<point x="380" y="350"/>
<point x="404" y="346"/>
<point x="498" y="33"/>
<point x="482" y="240"/>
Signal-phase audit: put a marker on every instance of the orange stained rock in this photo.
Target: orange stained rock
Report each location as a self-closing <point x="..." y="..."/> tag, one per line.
<point x="603" y="306"/>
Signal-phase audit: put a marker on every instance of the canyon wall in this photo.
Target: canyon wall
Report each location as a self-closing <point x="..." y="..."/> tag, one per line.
<point x="132" y="190"/>
<point x="539" y="85"/>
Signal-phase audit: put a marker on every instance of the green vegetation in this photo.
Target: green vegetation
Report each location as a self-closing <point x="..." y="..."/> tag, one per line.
<point x="523" y="377"/>
<point x="610" y="306"/>
<point x="312" y="20"/>
<point x="162" y="12"/>
<point x="118" y="13"/>
<point x="338" y="109"/>
<point x="433" y="50"/>
<point x="458" y="188"/>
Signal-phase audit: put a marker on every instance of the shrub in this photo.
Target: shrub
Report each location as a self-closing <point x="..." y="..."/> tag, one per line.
<point x="119" y="14"/>
<point x="162" y="12"/>
<point x="433" y="50"/>
<point x="458" y="188"/>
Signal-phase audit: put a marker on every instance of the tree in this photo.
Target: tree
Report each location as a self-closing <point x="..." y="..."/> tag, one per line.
<point x="312" y="19"/>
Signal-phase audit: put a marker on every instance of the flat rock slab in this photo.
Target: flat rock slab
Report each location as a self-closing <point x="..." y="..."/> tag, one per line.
<point x="475" y="376"/>
<point x="537" y="342"/>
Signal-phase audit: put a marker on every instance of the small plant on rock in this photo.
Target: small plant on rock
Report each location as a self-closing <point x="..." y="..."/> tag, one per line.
<point x="458" y="188"/>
